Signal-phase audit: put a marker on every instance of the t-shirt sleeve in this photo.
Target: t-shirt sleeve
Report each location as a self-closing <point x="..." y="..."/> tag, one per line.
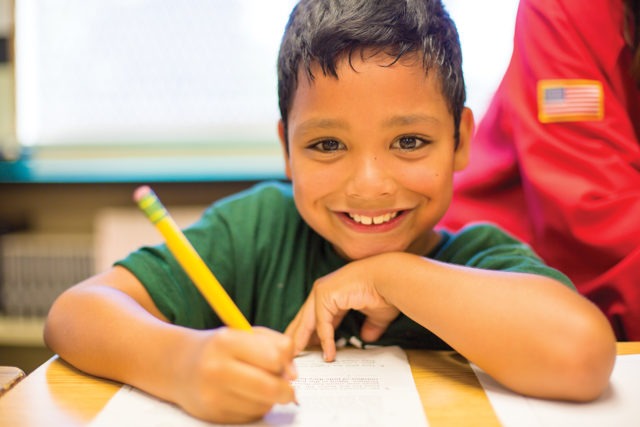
<point x="488" y="247"/>
<point x="247" y="240"/>
<point x="170" y="288"/>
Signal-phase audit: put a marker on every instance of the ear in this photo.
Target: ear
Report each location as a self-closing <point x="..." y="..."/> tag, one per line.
<point x="285" y="149"/>
<point x="461" y="156"/>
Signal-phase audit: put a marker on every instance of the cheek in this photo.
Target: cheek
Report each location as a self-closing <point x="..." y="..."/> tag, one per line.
<point x="424" y="179"/>
<point x="310" y="183"/>
<point x="313" y="177"/>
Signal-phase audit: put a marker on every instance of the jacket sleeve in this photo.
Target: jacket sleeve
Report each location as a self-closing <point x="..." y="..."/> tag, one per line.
<point x="581" y="178"/>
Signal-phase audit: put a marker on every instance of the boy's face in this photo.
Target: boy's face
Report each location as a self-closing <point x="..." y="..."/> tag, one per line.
<point x="371" y="155"/>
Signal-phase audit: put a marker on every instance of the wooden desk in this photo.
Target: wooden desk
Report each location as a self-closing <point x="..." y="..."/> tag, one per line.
<point x="57" y="394"/>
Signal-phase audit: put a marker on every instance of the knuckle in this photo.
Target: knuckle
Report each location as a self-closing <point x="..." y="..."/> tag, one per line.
<point x="222" y="336"/>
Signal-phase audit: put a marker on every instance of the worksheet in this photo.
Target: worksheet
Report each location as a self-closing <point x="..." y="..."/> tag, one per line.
<point x="618" y="406"/>
<point x="363" y="387"/>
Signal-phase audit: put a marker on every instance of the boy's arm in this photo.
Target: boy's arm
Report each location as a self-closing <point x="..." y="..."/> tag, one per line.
<point x="531" y="333"/>
<point x="109" y="326"/>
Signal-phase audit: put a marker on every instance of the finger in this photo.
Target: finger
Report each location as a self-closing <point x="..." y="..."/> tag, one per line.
<point x="240" y="392"/>
<point x="265" y="349"/>
<point x="236" y="408"/>
<point x="327" y="316"/>
<point x="256" y="385"/>
<point x="254" y="378"/>
<point x="303" y="325"/>
<point x="281" y="342"/>
<point x="293" y="325"/>
<point x="286" y="352"/>
<point x="326" y="335"/>
<point x="271" y="351"/>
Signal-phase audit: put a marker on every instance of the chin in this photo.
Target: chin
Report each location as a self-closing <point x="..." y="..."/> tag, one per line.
<point x="354" y="254"/>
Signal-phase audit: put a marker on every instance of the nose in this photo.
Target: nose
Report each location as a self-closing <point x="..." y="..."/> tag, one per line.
<point x="370" y="178"/>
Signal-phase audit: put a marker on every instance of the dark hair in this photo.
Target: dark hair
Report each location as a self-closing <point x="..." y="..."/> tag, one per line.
<point x="324" y="31"/>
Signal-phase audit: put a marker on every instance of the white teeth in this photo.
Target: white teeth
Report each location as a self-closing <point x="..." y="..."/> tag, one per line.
<point x="368" y="220"/>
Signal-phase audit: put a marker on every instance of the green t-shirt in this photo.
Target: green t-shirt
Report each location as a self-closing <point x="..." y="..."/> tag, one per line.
<point x="268" y="258"/>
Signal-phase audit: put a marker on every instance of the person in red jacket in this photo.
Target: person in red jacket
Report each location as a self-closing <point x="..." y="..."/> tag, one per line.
<point x="556" y="157"/>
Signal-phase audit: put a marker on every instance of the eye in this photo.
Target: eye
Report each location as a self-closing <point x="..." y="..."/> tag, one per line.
<point x="327" y="146"/>
<point x="409" y="143"/>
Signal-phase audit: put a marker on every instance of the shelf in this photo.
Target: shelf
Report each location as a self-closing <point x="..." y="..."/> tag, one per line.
<point x="135" y="164"/>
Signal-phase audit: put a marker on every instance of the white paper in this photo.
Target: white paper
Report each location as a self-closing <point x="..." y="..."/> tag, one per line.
<point x="619" y="405"/>
<point x="372" y="387"/>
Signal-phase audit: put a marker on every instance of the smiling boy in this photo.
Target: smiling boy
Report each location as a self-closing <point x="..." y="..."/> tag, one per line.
<point x="373" y="128"/>
<point x="372" y="169"/>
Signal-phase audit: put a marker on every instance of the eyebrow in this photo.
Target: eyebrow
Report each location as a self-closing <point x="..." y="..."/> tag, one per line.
<point x="321" y="123"/>
<point x="410" y="119"/>
<point x="398" y="120"/>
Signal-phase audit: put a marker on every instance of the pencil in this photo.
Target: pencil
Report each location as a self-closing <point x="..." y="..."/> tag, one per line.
<point x="188" y="258"/>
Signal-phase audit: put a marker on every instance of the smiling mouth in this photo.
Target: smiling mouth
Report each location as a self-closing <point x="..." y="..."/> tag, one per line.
<point x="373" y="220"/>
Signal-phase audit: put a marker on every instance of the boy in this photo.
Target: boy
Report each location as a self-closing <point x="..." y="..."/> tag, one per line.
<point x="373" y="127"/>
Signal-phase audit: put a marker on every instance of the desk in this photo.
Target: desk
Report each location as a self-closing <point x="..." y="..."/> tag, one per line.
<point x="57" y="394"/>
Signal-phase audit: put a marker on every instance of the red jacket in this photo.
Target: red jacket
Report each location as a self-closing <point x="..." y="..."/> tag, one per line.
<point x="560" y="168"/>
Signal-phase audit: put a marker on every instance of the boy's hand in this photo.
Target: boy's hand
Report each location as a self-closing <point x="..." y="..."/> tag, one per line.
<point x="351" y="287"/>
<point x="233" y="376"/>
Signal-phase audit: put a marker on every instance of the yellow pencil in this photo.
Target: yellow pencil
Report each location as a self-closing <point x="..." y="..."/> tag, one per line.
<point x="189" y="259"/>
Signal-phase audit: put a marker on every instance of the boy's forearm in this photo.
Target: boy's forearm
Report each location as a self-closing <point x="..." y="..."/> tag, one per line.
<point x="105" y="332"/>
<point x="529" y="332"/>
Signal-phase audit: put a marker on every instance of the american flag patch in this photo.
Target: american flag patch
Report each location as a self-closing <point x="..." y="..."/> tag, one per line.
<point x="570" y="100"/>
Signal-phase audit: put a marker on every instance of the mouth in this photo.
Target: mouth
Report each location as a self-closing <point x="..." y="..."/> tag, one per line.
<point x="373" y="220"/>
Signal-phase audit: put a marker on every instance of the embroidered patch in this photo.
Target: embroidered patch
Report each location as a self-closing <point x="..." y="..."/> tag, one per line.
<point x="570" y="100"/>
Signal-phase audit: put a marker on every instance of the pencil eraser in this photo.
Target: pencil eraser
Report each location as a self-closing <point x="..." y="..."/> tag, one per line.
<point x="141" y="192"/>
